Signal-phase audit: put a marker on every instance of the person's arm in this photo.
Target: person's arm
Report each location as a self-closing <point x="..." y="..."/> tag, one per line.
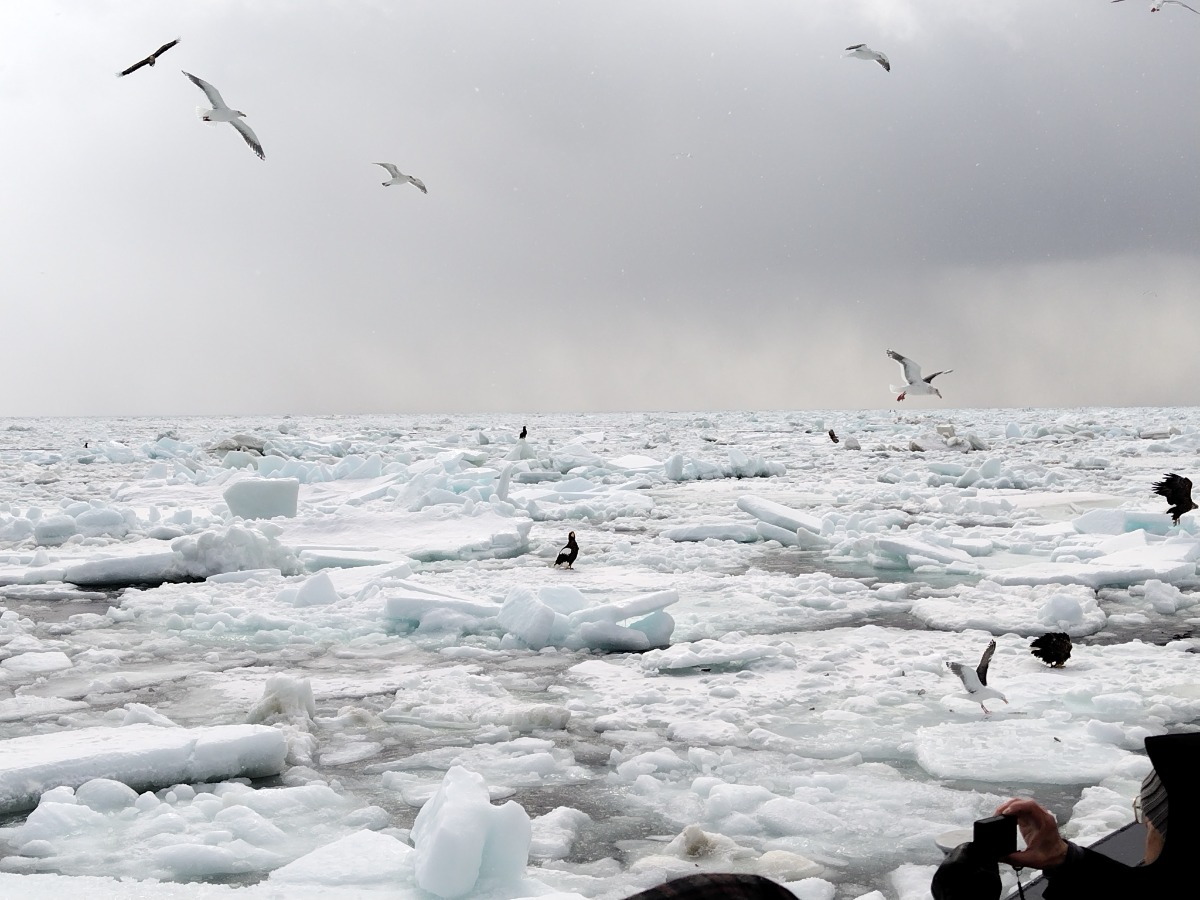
<point x="1079" y="871"/>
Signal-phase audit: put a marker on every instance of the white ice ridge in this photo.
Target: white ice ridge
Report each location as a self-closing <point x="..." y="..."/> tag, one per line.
<point x="140" y="756"/>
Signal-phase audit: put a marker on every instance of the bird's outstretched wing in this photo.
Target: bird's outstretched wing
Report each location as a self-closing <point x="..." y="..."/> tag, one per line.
<point x="981" y="669"/>
<point x="164" y="48"/>
<point x="912" y="372"/>
<point x="392" y="170"/>
<point x="1181" y="3"/>
<point x="214" y="96"/>
<point x="137" y="65"/>
<point x="883" y="61"/>
<point x="249" y="136"/>
<point x="968" y="677"/>
<point x="1175" y="488"/>
<point x="856" y="47"/>
<point x="419" y="183"/>
<point x="929" y="378"/>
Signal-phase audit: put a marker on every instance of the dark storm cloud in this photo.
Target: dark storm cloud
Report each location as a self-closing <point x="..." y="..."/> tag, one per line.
<point x="631" y="205"/>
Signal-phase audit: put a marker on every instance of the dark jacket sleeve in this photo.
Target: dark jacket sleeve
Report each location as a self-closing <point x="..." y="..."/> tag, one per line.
<point x="1090" y="874"/>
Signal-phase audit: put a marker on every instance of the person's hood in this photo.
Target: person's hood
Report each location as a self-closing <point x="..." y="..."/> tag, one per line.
<point x="1176" y="759"/>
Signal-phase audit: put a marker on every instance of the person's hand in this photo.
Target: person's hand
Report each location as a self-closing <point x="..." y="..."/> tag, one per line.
<point x="1044" y="847"/>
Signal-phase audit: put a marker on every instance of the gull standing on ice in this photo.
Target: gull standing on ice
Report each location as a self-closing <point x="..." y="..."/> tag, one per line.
<point x="975" y="681"/>
<point x="222" y="113"/>
<point x="862" y="51"/>
<point x="399" y="177"/>
<point x="151" y="59"/>
<point x="913" y="382"/>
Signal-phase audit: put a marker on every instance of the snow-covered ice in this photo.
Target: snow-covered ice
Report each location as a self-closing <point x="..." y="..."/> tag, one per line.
<point x="324" y="655"/>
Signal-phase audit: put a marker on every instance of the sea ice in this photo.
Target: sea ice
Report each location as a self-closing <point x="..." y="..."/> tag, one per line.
<point x="142" y="756"/>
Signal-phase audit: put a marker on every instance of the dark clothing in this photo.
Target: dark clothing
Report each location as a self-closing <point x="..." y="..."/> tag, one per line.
<point x="714" y="885"/>
<point x="963" y="876"/>
<point x="1088" y="874"/>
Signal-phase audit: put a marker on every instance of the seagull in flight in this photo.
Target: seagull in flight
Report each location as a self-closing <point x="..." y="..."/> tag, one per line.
<point x="151" y="59"/>
<point x="1159" y="4"/>
<point x="399" y="177"/>
<point x="222" y="113"/>
<point x="975" y="680"/>
<point x="862" y="51"/>
<point x="913" y="382"/>
<point x="1178" y="492"/>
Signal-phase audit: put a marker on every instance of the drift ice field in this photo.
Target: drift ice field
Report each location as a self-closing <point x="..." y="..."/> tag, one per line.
<point x="294" y="657"/>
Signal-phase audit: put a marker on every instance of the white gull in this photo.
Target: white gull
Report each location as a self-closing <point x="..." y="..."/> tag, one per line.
<point x="975" y="680"/>
<point x="913" y="382"/>
<point x="862" y="51"/>
<point x="220" y="112"/>
<point x="399" y="177"/>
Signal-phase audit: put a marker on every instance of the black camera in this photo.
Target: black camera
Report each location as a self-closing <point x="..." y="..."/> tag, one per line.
<point x="995" y="837"/>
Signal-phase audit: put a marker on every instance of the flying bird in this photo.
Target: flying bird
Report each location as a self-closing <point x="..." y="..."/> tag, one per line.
<point x="399" y="177"/>
<point x="833" y="436"/>
<point x="1178" y="491"/>
<point x="1054" y="648"/>
<point x="222" y="113"/>
<point x="151" y="59"/>
<point x="862" y="51"/>
<point x="975" y="680"/>
<point x="913" y="382"/>
<point x="568" y="553"/>
<point x="1159" y="4"/>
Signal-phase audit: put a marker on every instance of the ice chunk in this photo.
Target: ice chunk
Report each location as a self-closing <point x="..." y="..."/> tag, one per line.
<point x="53" y="531"/>
<point x="555" y="832"/>
<point x="364" y="858"/>
<point x="527" y="617"/>
<point x="37" y="663"/>
<point x="96" y="522"/>
<point x="777" y="514"/>
<point x="263" y="498"/>
<point x="240" y="459"/>
<point x="722" y="531"/>
<point x="461" y="839"/>
<point x="521" y="451"/>
<point x="1038" y="751"/>
<point x="316" y="591"/>
<point x="141" y="756"/>
<point x="906" y="548"/>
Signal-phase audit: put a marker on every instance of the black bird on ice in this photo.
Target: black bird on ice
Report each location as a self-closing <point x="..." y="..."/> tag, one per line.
<point x="1054" y="649"/>
<point x="1178" y="491"/>
<point x="151" y="59"/>
<point x="524" y="433"/>
<point x="568" y="553"/>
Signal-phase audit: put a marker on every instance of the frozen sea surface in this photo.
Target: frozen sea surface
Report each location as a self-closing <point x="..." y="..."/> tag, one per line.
<point x="744" y="670"/>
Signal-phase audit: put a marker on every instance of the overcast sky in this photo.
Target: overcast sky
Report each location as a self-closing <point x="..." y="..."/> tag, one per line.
<point x="633" y="204"/>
